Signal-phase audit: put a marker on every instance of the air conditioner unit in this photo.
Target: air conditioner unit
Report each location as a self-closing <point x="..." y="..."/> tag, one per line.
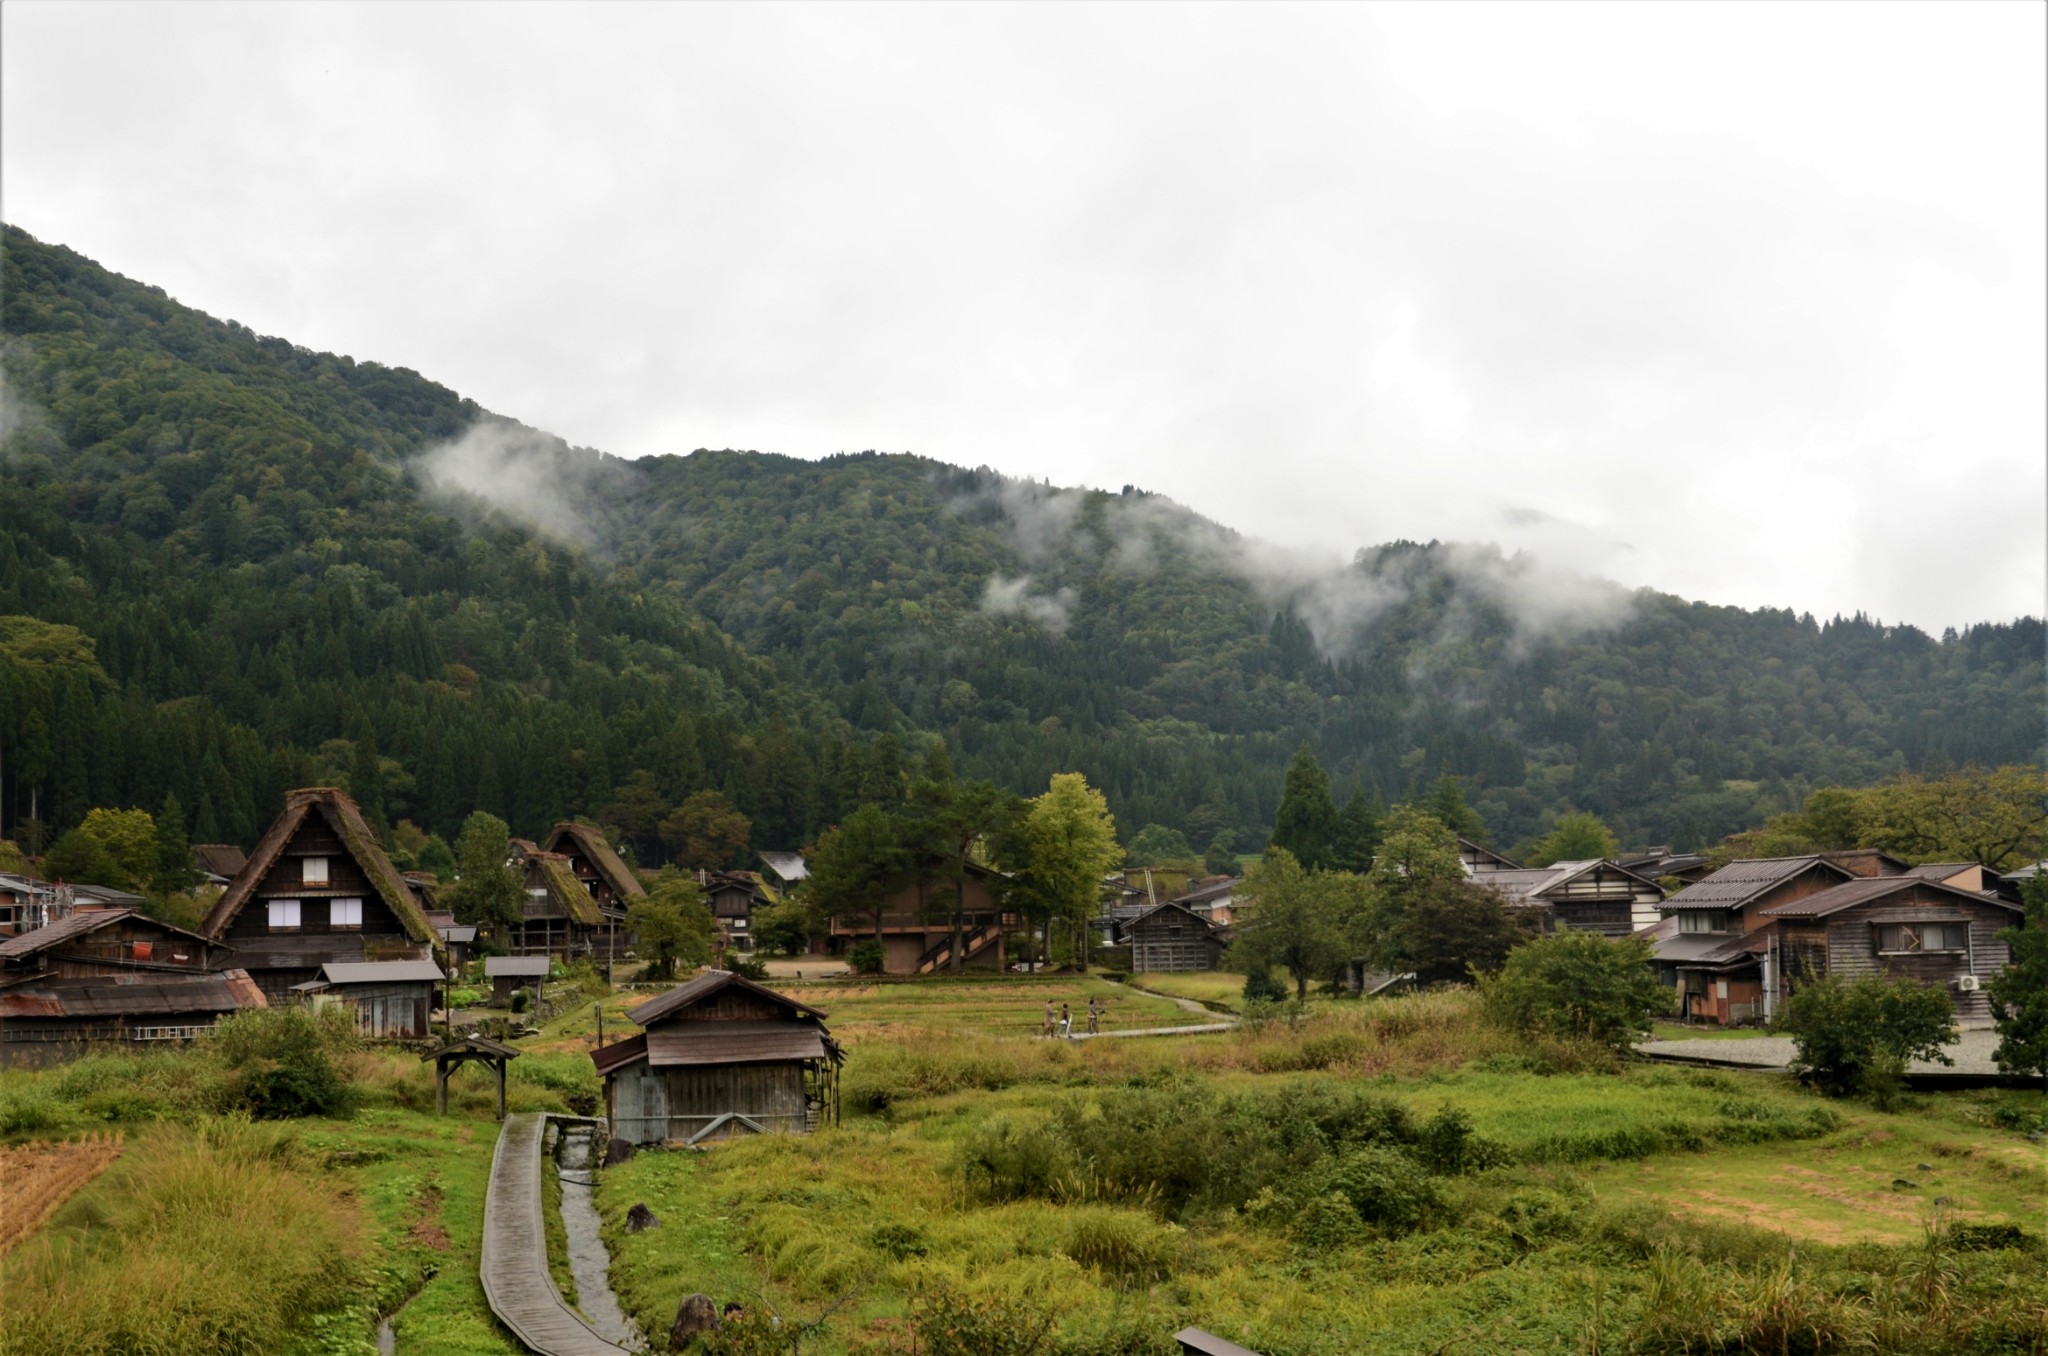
<point x="1968" y="984"/>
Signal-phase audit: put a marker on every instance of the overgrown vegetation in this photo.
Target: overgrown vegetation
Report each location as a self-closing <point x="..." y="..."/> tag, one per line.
<point x="1859" y="1035"/>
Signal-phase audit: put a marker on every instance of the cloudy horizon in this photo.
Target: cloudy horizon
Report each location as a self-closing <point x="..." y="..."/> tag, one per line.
<point x="1745" y="304"/>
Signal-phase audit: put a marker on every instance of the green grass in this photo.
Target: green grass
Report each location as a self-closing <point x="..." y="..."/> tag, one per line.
<point x="1216" y="988"/>
<point x="995" y="1006"/>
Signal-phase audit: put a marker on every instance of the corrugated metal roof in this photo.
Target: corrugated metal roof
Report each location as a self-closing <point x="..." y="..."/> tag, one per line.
<point x="706" y="1043"/>
<point x="381" y="972"/>
<point x="515" y="966"/>
<point x="120" y="998"/>
<point x="788" y="865"/>
<point x="1939" y="870"/>
<point x="609" y="1057"/>
<point x="1690" y="946"/>
<point x="63" y="930"/>
<point x="1739" y="882"/>
<point x="1867" y="888"/>
<point x="461" y="934"/>
<point x="703" y="986"/>
<point x="1522" y="883"/>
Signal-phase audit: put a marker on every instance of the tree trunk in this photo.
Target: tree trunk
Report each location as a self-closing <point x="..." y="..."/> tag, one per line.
<point x="959" y="917"/>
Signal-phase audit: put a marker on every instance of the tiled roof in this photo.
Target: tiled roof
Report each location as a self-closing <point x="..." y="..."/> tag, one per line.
<point x="1867" y="888"/>
<point x="1741" y="881"/>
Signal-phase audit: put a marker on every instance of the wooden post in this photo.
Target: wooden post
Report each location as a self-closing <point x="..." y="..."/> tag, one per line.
<point x="501" y="1088"/>
<point x="440" y="1087"/>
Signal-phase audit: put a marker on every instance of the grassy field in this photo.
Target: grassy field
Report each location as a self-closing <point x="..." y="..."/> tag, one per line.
<point x="1214" y="988"/>
<point x="1001" y="1007"/>
<point x="1674" y="1031"/>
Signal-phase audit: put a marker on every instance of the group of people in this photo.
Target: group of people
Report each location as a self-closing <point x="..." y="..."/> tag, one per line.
<point x="1062" y="1023"/>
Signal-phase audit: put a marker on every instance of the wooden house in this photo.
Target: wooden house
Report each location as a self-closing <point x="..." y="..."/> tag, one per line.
<point x="605" y="876"/>
<point x="1904" y="926"/>
<point x="1865" y="861"/>
<point x="394" y="1000"/>
<point x="219" y="863"/>
<point x="1212" y="899"/>
<point x="111" y="975"/>
<point x="1711" y="944"/>
<point x="458" y="940"/>
<point x="1172" y="937"/>
<point x="27" y="903"/>
<point x="784" y="870"/>
<point x="1482" y="861"/>
<point x="559" y="915"/>
<point x="1658" y="863"/>
<point x="1581" y="896"/>
<point x="510" y="973"/>
<point x="734" y="897"/>
<point x="318" y="888"/>
<point x="720" y="1056"/>
<point x="916" y="929"/>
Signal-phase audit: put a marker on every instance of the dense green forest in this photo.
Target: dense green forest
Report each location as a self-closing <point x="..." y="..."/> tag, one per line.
<point x="229" y="565"/>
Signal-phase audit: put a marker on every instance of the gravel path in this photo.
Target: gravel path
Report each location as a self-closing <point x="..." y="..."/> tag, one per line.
<point x="1972" y="1053"/>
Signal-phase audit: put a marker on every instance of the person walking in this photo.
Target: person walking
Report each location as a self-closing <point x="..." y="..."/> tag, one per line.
<point x="1046" y="1030"/>
<point x="1066" y="1021"/>
<point x="1094" y="1016"/>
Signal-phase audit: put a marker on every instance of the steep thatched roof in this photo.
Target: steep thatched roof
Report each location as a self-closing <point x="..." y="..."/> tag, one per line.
<point x="591" y="844"/>
<point x="341" y="815"/>
<point x="564" y="889"/>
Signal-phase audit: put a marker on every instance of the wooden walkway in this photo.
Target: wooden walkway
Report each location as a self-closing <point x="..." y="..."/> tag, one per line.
<point x="515" y="1251"/>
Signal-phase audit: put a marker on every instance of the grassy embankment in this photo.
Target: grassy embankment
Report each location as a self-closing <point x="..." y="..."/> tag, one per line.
<point x="215" y="1233"/>
<point x="1123" y="1189"/>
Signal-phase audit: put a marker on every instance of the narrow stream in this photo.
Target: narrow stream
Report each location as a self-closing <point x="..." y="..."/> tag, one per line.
<point x="577" y="1155"/>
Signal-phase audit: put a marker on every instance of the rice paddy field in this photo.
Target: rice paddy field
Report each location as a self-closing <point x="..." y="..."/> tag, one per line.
<point x="1388" y="1176"/>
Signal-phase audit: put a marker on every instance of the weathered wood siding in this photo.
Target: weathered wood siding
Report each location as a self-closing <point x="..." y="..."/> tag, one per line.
<point x="653" y="1106"/>
<point x="1606" y="900"/>
<point x="1809" y="882"/>
<point x="1167" y="942"/>
<point x="1852" y="942"/>
<point x="345" y="880"/>
<point x="389" y="1011"/>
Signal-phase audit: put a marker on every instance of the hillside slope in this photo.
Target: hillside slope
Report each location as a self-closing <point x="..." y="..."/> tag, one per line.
<point x="284" y="558"/>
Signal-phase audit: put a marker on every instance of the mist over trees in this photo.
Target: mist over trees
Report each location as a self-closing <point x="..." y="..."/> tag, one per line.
<point x="228" y="568"/>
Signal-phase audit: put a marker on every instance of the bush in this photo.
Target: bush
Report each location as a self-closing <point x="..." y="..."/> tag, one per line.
<point x="866" y="957"/>
<point x="1387" y="1187"/>
<point x="746" y="967"/>
<point x="1002" y="1161"/>
<point x="284" y="1059"/>
<point x="1129" y="1248"/>
<point x="521" y="1000"/>
<point x="1858" y="1036"/>
<point x="951" y="1324"/>
<point x="1577" y="986"/>
<point x="1261" y="987"/>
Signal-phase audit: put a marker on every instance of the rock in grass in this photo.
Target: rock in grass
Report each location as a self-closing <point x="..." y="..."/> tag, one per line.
<point x="1901" y="1184"/>
<point x="695" y="1316"/>
<point x="617" y="1152"/>
<point x="640" y="1217"/>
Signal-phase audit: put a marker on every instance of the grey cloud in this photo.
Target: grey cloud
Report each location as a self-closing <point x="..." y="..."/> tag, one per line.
<point x="1007" y="597"/>
<point x="522" y="473"/>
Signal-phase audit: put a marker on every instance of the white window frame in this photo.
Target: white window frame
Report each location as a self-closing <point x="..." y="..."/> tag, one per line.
<point x="282" y="909"/>
<point x="337" y="907"/>
<point x="313" y="871"/>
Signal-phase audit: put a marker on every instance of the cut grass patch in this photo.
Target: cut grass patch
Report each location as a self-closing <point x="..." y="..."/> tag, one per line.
<point x="1214" y="988"/>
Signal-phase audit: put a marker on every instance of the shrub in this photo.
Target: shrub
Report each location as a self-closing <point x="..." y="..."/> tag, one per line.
<point x="1387" y="1187"/>
<point x="866" y="957"/>
<point x="1577" y="986"/>
<point x="521" y="1000"/>
<point x="1129" y="1248"/>
<point x="1261" y="987"/>
<point x="746" y="967"/>
<point x="952" y="1324"/>
<point x="1003" y="1161"/>
<point x="1859" y="1035"/>
<point x="283" y="1059"/>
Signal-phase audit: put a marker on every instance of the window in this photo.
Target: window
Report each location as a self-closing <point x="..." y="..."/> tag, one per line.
<point x="345" y="915"/>
<point x="284" y="915"/>
<point x="1894" y="938"/>
<point x="313" y="870"/>
<point x="1703" y="920"/>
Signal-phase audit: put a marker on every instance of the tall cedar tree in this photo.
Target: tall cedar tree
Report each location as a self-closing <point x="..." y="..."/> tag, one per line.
<point x="1305" y="826"/>
<point x="855" y="864"/>
<point x="1358" y="832"/>
<point x="487" y="892"/>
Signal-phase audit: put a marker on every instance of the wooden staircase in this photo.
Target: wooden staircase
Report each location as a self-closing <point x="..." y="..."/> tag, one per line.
<point x="972" y="944"/>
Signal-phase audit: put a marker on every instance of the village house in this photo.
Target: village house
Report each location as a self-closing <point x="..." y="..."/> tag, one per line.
<point x="558" y="913"/>
<point x="393" y="1000"/>
<point x="27" y="903"/>
<point x="733" y="897"/>
<point x="1905" y="926"/>
<point x="218" y="863"/>
<point x="318" y="888"/>
<point x="604" y="874"/>
<point x="917" y="924"/>
<point x="1171" y="937"/>
<point x="100" y="975"/>
<point x="1581" y="896"/>
<point x="783" y="871"/>
<point x="1212" y="899"/>
<point x="1711" y="944"/>
<point x="1483" y="861"/>
<point x="458" y="940"/>
<point x="1661" y="863"/>
<point x="720" y="1056"/>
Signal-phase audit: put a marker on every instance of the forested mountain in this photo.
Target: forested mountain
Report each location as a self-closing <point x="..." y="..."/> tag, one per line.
<point x="285" y="567"/>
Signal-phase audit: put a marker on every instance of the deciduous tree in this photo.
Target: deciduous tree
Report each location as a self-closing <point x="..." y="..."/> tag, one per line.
<point x="705" y="831"/>
<point x="1575" y="837"/>
<point x="2019" y="994"/>
<point x="488" y="893"/>
<point x="1296" y="919"/>
<point x="672" y="925"/>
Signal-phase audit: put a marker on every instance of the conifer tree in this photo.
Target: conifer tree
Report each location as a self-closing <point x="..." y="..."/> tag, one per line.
<point x="1306" y="824"/>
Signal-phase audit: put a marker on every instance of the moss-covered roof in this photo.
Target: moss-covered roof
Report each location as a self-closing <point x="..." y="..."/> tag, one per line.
<point x="564" y="889"/>
<point x="357" y="840"/>
<point x="590" y="842"/>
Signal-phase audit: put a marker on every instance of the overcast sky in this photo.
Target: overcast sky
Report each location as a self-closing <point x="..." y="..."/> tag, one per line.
<point x="1743" y="302"/>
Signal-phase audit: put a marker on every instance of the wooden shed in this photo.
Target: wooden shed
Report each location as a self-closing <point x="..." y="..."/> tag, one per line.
<point x="50" y="1020"/>
<point x="719" y="1056"/>
<point x="510" y="973"/>
<point x="394" y="1000"/>
<point x="1171" y="937"/>
<point x="318" y="888"/>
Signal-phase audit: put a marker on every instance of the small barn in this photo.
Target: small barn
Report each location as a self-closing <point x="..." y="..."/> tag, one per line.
<point x="559" y="915"/>
<point x="1170" y="937"/>
<point x="720" y="1056"/>
<point x="510" y="973"/>
<point x="47" y="1021"/>
<point x="394" y="1000"/>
